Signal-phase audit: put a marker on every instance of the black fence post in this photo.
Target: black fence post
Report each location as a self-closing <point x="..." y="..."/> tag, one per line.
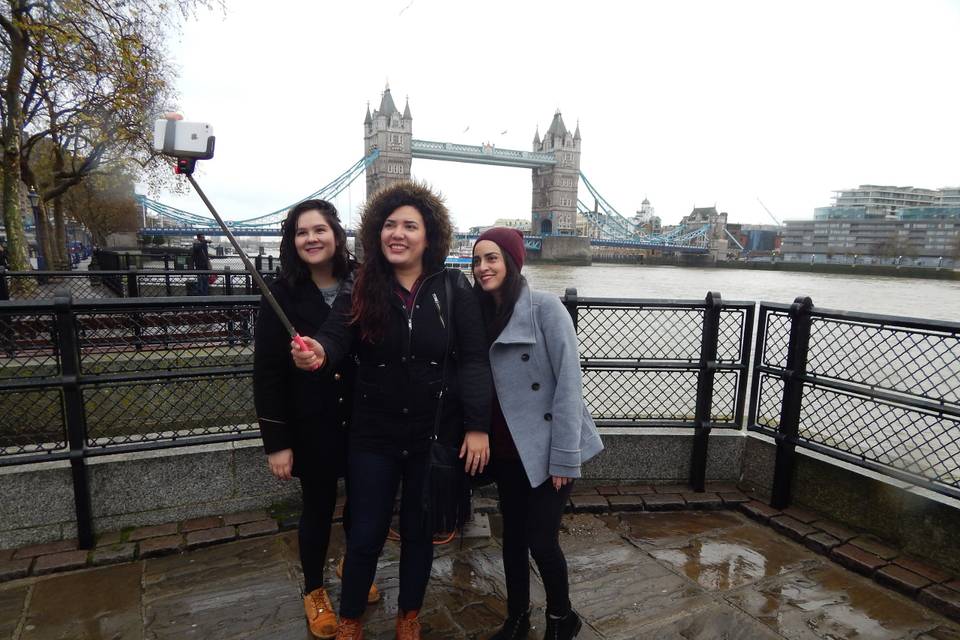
<point x="4" y="288"/>
<point x="570" y="302"/>
<point x="269" y="263"/>
<point x="227" y="281"/>
<point x="702" y="416"/>
<point x="166" y="262"/>
<point x="786" y="436"/>
<point x="69" y="348"/>
<point x="133" y="286"/>
<point x="258" y="262"/>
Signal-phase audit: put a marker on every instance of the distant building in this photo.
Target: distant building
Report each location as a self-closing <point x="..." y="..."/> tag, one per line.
<point x="876" y="201"/>
<point x="555" y="187"/>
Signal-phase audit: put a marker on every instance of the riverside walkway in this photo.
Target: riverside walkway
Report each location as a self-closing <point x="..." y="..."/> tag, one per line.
<point x="663" y="575"/>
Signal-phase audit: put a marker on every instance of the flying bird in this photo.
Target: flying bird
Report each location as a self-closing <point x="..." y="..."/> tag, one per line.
<point x="405" y="8"/>
<point x="503" y="132"/>
<point x="467" y="129"/>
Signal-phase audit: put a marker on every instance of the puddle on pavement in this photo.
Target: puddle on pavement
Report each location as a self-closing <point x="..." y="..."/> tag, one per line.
<point x="826" y="602"/>
<point x="734" y="557"/>
<point x="670" y="527"/>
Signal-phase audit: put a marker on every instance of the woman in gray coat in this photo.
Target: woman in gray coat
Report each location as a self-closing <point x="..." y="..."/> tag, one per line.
<point x="541" y="430"/>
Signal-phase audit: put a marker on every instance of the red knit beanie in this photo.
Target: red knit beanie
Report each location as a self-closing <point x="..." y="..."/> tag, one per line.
<point x="509" y="240"/>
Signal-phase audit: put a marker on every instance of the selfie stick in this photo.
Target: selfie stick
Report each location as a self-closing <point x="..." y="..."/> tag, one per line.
<point x="257" y="278"/>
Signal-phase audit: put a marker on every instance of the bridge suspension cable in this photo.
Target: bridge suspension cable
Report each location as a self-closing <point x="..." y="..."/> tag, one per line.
<point x="326" y="192"/>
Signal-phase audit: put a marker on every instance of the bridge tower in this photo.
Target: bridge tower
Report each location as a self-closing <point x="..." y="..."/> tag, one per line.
<point x="555" y="187"/>
<point x="390" y="131"/>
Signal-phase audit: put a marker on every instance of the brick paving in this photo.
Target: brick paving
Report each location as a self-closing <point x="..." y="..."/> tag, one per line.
<point x="932" y="586"/>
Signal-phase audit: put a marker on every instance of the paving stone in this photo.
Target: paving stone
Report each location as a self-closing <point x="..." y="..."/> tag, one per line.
<point x="210" y="536"/>
<point x="821" y="542"/>
<point x="485" y="505"/>
<point x="836" y="530"/>
<point x="954" y="584"/>
<point x="857" y="559"/>
<point x="722" y="487"/>
<point x="109" y="538"/>
<point x="198" y="524"/>
<point x="6" y="554"/>
<point x="245" y="516"/>
<point x="589" y="504"/>
<point x="803" y="515"/>
<point x="791" y="528"/>
<point x="608" y="490"/>
<point x="114" y="554"/>
<point x="669" y="529"/>
<point x="155" y="531"/>
<point x="11" y="608"/>
<point x="63" y="561"/>
<point x="45" y="549"/>
<point x="13" y="569"/>
<point x="733" y="498"/>
<point x="625" y="503"/>
<point x="942" y="599"/>
<point x="705" y="500"/>
<point x="673" y="488"/>
<point x="88" y="605"/>
<point x="160" y="546"/>
<point x="663" y="502"/>
<point x="580" y="489"/>
<point x="930" y="572"/>
<point x="758" y="510"/>
<point x="900" y="579"/>
<point x="635" y="489"/>
<point x="258" y="528"/>
<point x="290" y="523"/>
<point x="875" y="547"/>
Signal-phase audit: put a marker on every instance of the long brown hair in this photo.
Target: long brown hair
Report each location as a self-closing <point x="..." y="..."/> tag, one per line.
<point x="372" y="291"/>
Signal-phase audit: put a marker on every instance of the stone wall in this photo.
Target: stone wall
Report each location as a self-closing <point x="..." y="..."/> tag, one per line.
<point x="573" y="250"/>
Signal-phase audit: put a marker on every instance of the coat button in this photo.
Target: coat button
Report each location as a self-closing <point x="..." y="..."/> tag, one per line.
<point x="548" y="417"/>
<point x="525" y="357"/>
<point x="404" y="453"/>
<point x="343" y="424"/>
<point x="337" y="377"/>
<point x="403" y="358"/>
<point x="340" y="400"/>
<point x="535" y="386"/>
<point x="405" y="410"/>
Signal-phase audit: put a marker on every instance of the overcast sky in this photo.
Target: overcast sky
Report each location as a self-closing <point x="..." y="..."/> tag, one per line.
<point x="685" y="103"/>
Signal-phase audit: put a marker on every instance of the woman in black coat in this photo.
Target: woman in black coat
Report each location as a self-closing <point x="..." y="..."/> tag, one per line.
<point x="407" y="352"/>
<point x="304" y="415"/>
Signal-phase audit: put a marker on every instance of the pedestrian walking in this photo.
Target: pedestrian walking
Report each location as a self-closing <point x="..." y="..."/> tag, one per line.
<point x="200" y="259"/>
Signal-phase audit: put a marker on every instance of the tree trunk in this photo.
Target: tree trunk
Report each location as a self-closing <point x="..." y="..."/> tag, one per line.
<point x="59" y="243"/>
<point x="12" y="124"/>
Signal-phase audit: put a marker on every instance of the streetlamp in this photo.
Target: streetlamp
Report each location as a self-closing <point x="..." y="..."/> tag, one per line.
<point x="34" y="199"/>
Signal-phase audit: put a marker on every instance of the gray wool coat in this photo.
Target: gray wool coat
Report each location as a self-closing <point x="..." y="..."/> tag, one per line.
<point x="536" y="372"/>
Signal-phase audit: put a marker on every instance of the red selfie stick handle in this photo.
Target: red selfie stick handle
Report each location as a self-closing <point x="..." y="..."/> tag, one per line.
<point x="300" y="343"/>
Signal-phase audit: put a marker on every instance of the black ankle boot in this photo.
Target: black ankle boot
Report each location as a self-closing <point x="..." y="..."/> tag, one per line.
<point x="514" y="627"/>
<point x="564" y="628"/>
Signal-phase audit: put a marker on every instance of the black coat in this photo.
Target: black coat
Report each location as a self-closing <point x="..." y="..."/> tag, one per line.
<point x="400" y="376"/>
<point x="306" y="411"/>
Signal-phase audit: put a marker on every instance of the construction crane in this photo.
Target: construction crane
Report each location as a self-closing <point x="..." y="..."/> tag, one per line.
<point x="772" y="217"/>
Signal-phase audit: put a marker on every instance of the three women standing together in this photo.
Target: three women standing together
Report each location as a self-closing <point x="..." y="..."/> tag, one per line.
<point x="424" y="345"/>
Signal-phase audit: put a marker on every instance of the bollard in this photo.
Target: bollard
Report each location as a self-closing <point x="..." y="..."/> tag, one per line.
<point x="4" y="288"/>
<point x="705" y="376"/>
<point x="227" y="282"/>
<point x="570" y="302"/>
<point x="133" y="286"/>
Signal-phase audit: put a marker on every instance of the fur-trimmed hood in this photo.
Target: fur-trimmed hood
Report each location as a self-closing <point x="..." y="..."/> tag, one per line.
<point x="428" y="202"/>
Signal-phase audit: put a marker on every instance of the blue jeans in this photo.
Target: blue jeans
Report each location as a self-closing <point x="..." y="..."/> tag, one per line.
<point x="372" y="487"/>
<point x="203" y="285"/>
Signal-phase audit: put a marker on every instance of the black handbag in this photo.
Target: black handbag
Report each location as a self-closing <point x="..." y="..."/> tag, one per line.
<point x="446" y="493"/>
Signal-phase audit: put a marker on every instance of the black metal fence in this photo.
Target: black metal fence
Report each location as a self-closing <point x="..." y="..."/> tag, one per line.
<point x="81" y="378"/>
<point x="876" y="391"/>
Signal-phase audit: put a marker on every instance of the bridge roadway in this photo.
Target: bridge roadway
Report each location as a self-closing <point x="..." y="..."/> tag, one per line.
<point x="532" y="242"/>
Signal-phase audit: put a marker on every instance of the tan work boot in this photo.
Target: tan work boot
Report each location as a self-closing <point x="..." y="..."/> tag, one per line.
<point x="320" y="615"/>
<point x="350" y="629"/>
<point x="408" y="627"/>
<point x="372" y="596"/>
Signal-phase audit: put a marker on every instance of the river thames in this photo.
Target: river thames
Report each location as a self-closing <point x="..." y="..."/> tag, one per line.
<point x="914" y="297"/>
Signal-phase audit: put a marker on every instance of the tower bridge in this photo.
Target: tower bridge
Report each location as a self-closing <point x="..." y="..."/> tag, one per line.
<point x="389" y="150"/>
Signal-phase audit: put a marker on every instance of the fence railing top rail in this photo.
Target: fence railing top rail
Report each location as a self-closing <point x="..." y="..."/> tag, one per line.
<point x="659" y="302"/>
<point x="906" y="322"/>
<point x="129" y="304"/>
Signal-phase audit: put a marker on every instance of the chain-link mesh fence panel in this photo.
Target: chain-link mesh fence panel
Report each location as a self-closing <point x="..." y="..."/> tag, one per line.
<point x="85" y="285"/>
<point x="776" y="340"/>
<point x="165" y="409"/>
<point x="769" y="401"/>
<point x="723" y="410"/>
<point x="31" y="421"/>
<point x="912" y="362"/>
<point x="911" y="440"/>
<point x="28" y="345"/>
<point x="730" y="335"/>
<point x="654" y="333"/>
<point x="165" y="339"/>
<point x="640" y="395"/>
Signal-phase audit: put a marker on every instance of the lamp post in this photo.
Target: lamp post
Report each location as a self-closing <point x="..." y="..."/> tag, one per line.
<point x="34" y="198"/>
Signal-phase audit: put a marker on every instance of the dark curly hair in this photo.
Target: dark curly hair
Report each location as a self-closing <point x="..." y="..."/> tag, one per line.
<point x="372" y="291"/>
<point x="292" y="268"/>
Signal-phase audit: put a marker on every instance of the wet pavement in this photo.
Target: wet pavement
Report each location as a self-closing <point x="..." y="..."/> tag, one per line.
<point x="672" y="575"/>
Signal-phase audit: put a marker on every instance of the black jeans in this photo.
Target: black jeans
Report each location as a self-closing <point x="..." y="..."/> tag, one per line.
<point x="319" y="502"/>
<point x="531" y="526"/>
<point x="372" y="487"/>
